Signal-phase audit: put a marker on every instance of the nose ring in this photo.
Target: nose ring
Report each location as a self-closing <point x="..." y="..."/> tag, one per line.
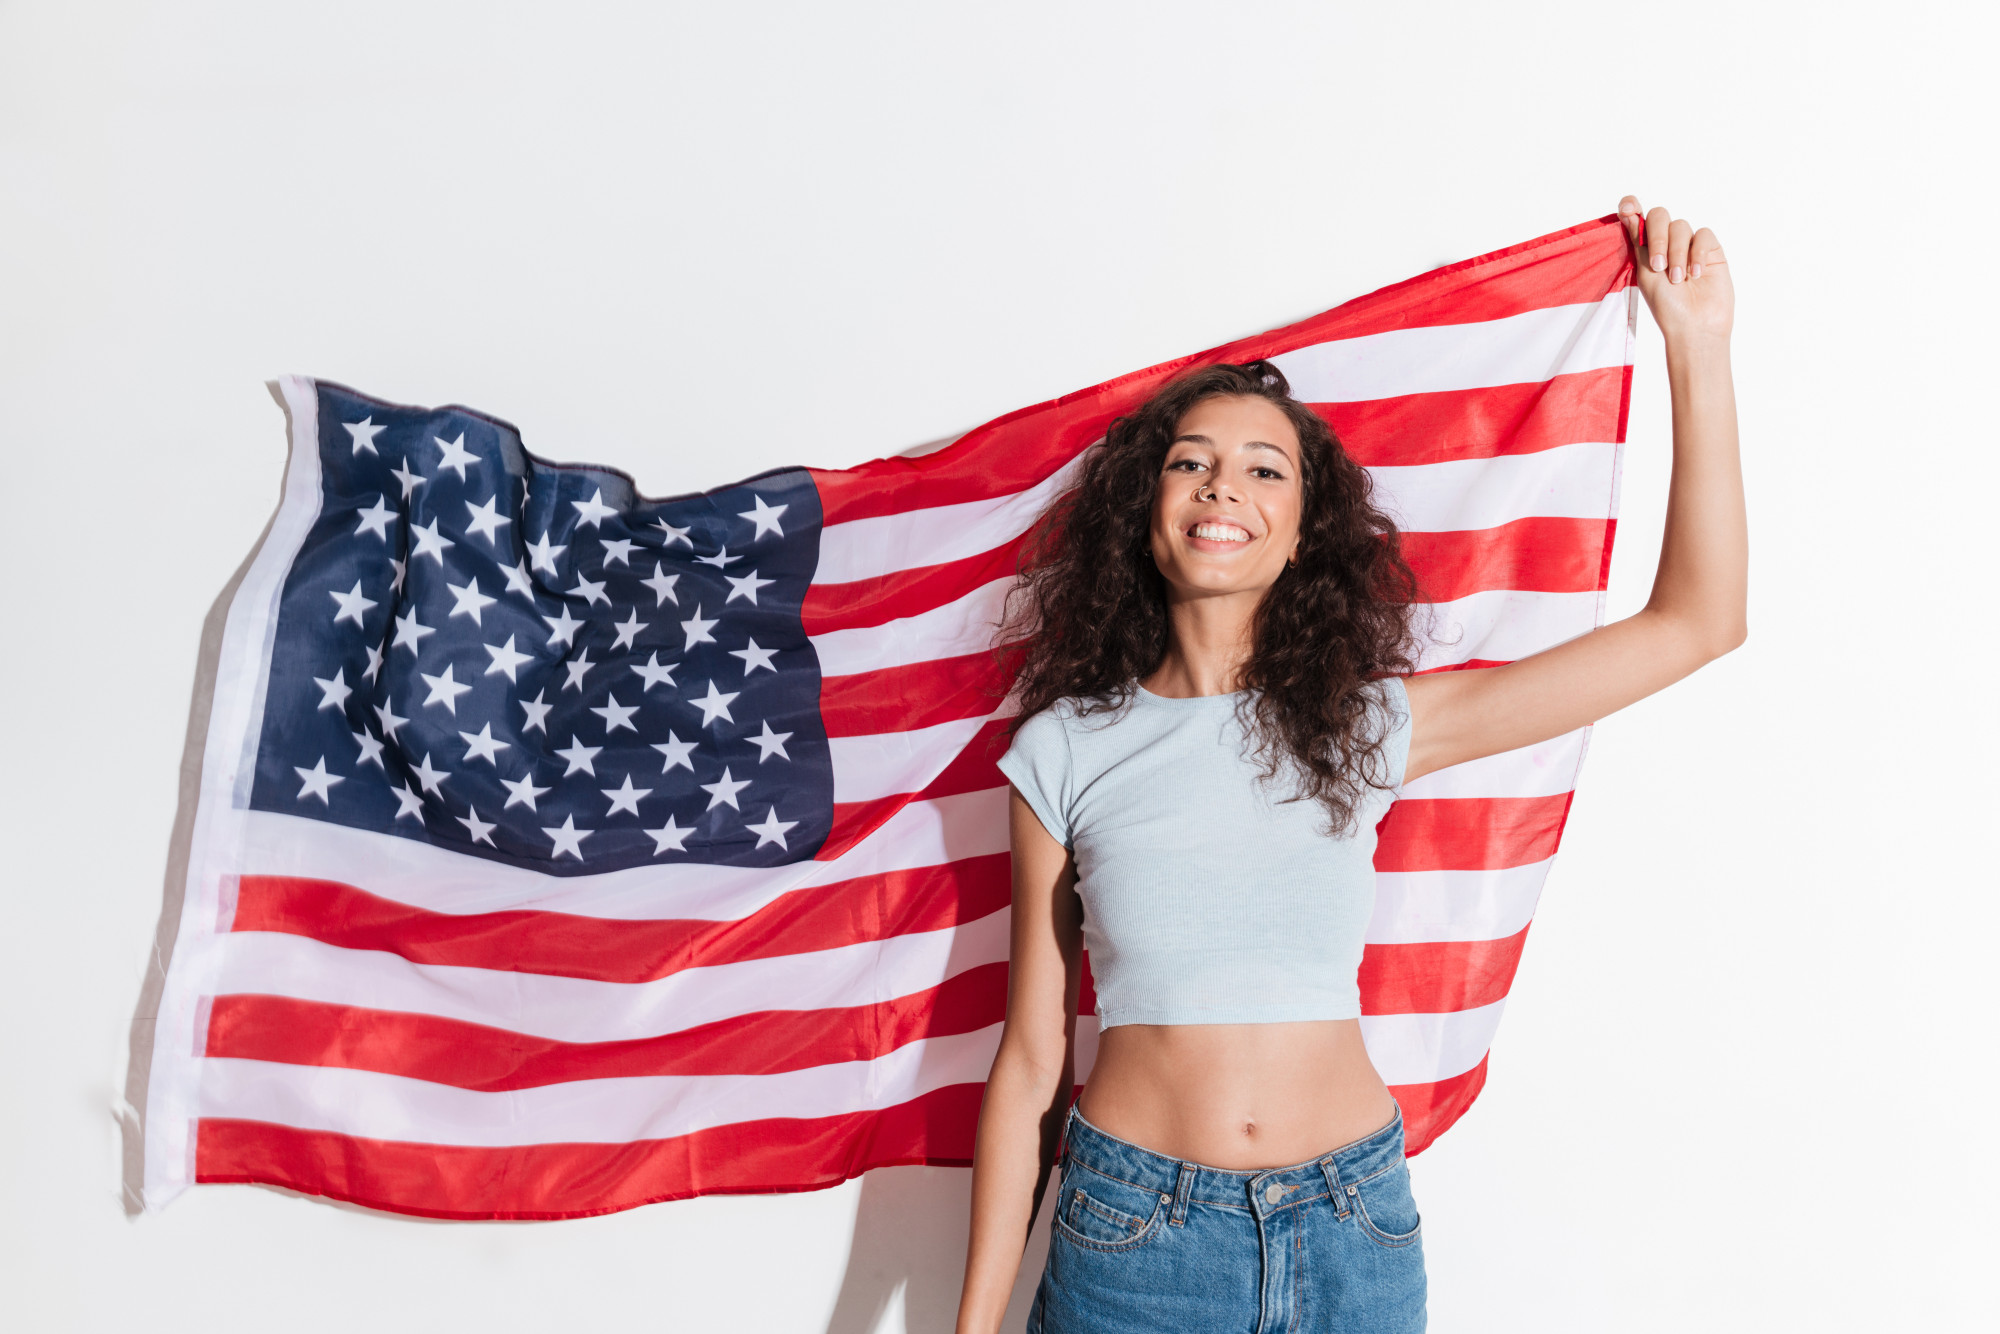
<point x="1203" y="487"/>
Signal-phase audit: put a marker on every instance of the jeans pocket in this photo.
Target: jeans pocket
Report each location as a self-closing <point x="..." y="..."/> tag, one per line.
<point x="1105" y="1214"/>
<point x="1385" y="1207"/>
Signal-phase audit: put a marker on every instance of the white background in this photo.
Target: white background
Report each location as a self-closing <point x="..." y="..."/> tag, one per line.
<point x="1745" y="1077"/>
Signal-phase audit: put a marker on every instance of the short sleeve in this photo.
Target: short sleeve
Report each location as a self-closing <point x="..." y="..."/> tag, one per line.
<point x="1038" y="763"/>
<point x="1396" y="740"/>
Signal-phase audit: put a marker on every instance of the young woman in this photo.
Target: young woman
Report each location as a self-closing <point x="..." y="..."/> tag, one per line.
<point x="1222" y="626"/>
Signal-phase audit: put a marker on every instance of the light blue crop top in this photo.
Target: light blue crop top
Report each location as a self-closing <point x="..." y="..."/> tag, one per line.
<point x="1206" y="899"/>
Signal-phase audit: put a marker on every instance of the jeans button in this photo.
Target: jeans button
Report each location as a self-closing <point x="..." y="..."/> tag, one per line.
<point x="1273" y="1193"/>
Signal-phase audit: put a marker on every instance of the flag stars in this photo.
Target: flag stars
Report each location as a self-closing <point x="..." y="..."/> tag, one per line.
<point x="697" y="630"/>
<point x="377" y="518"/>
<point x="319" y="783"/>
<point x="772" y="830"/>
<point x="568" y="839"/>
<point x="431" y="779"/>
<point x="618" y="549"/>
<point x="506" y="659"/>
<point x="521" y="792"/>
<point x="398" y="568"/>
<point x="576" y="667"/>
<point x="410" y="632"/>
<point x="468" y="600"/>
<point x="676" y="751"/>
<point x="754" y="657"/>
<point x="481" y="745"/>
<point x="456" y="455"/>
<point x="371" y="750"/>
<point x="563" y="628"/>
<point x="764" y="516"/>
<point x="769" y="743"/>
<point x="385" y="713"/>
<point x="720" y="559"/>
<point x="374" y="663"/>
<point x="544" y="554"/>
<point x="591" y="591"/>
<point x="625" y="797"/>
<point x="481" y="830"/>
<point x="430" y="542"/>
<point x="334" y="692"/>
<point x="714" y="704"/>
<point x="745" y="586"/>
<point x="486" y="520"/>
<point x="655" y="672"/>
<point x="538" y="714"/>
<point x="581" y="758"/>
<point x="593" y="511"/>
<point x="616" y="715"/>
<point x="519" y="580"/>
<point x="628" y="629"/>
<point x="352" y="605"/>
<point x="669" y="837"/>
<point x="674" y="534"/>
<point x="363" y="434"/>
<point x="408" y="480"/>
<point x="408" y="802"/>
<point x="662" y="585"/>
<point x="723" y="792"/>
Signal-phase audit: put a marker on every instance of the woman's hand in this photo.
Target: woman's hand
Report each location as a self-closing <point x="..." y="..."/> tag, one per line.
<point x="1682" y="273"/>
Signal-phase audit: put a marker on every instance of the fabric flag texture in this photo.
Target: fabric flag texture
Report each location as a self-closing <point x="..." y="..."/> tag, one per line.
<point x="560" y="850"/>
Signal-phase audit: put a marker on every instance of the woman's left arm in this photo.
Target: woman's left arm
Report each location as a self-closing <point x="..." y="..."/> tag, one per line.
<point x="1697" y="609"/>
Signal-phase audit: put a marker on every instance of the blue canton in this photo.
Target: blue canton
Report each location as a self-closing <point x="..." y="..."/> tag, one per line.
<point x="529" y="662"/>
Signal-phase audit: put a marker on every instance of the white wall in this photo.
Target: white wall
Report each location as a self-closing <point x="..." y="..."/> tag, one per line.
<point x="1745" y="1079"/>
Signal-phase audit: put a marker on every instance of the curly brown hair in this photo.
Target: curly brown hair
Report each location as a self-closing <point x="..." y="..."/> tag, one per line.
<point x="1093" y="615"/>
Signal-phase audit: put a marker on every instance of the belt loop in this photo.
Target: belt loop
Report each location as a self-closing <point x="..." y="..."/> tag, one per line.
<point x="1333" y="1186"/>
<point x="1182" y="1189"/>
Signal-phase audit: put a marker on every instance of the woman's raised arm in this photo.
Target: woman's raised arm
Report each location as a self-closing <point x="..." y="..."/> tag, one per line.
<point x="1697" y="609"/>
<point x="1029" y="1091"/>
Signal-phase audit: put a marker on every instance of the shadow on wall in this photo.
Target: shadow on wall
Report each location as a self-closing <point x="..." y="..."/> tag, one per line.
<point x="909" y="1236"/>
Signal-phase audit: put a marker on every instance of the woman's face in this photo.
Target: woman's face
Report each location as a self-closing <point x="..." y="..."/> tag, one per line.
<point x="1226" y="510"/>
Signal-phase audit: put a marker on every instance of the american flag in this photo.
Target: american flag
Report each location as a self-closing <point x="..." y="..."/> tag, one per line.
<point x="561" y="850"/>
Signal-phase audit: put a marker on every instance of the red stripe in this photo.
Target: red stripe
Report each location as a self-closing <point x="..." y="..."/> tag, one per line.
<point x="1470" y="833"/>
<point x="872" y="907"/>
<point x="1437" y="977"/>
<point x="921" y="694"/>
<point x="1481" y="423"/>
<point x="497" y="1060"/>
<point x="579" y="1180"/>
<point x="866" y="602"/>
<point x="1430" y="1109"/>
<point x="1532" y="555"/>
<point x="1578" y="264"/>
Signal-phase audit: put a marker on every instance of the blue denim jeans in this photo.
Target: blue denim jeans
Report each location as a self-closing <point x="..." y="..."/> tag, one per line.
<point x="1143" y="1242"/>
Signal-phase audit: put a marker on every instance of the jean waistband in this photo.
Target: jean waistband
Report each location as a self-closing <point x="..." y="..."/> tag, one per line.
<point x="1266" y="1190"/>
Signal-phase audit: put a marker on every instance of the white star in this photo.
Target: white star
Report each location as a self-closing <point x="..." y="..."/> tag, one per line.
<point x="697" y="629"/>
<point x="385" y="712"/>
<point x="376" y="519"/>
<point x="371" y="749"/>
<point x="591" y="593"/>
<point x="670" y="837"/>
<point x="352" y="604"/>
<point x="456" y="455"/>
<point x="363" y="434"/>
<point x="580" y="757"/>
<point x="334" y="693"/>
<point x="410" y="481"/>
<point x="538" y="714"/>
<point x="444" y="690"/>
<point x="772" y="830"/>
<point x="676" y="751"/>
<point x="770" y="743"/>
<point x="662" y="585"/>
<point x="576" y="667"/>
<point x="764" y="516"/>
<point x="545" y="554"/>
<point x="564" y="627"/>
<point x="593" y="511"/>
<point x="519" y="580"/>
<point x="568" y="838"/>
<point x="431" y="779"/>
<point x="720" y="559"/>
<point x="754" y="657"/>
<point x="628" y="629"/>
<point x="625" y="798"/>
<point x="618" y="549"/>
<point x="408" y="802"/>
<point x="674" y="534"/>
<point x="485" y="520"/>
<point x="397" y="564"/>
<point x="374" y="663"/>
<point x="723" y="792"/>
<point x="480" y="745"/>
<point x="521" y="791"/>
<point x="505" y="659"/>
<point x="616" y="715"/>
<point x="713" y="704"/>
<point x="745" y="587"/>
<point x="430" y="542"/>
<point x="409" y="631"/>
<point x="482" y="832"/>
<point x="468" y="600"/>
<point x="655" y="672"/>
<point x="318" y="782"/>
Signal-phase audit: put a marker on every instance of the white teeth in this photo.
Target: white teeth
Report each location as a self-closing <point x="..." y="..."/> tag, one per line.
<point x="1219" y="533"/>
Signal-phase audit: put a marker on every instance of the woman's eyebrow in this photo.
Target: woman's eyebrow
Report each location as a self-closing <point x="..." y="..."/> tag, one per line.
<point x="1279" y="450"/>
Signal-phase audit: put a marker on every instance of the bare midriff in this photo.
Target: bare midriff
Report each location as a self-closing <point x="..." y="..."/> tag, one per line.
<point x="1242" y="1097"/>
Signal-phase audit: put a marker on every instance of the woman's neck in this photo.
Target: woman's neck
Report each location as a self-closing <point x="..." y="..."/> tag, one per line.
<point x="1208" y="646"/>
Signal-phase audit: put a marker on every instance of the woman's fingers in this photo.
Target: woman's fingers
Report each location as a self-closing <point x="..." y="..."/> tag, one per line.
<point x="1703" y="251"/>
<point x="1657" y="224"/>
<point x="1678" y="236"/>
<point x="1630" y="216"/>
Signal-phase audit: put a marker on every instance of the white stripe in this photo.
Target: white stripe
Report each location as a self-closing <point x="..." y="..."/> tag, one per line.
<point x="1520" y="349"/>
<point x="965" y="625"/>
<point x="591" y="1111"/>
<point x="1541" y="770"/>
<point x="572" y="1009"/>
<point x="889" y="763"/>
<point x="1420" y="907"/>
<point x="870" y="548"/>
<point x="923" y="833"/>
<point x="1423" y="1048"/>
<point x="1568" y="482"/>
<point x="1500" y="625"/>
